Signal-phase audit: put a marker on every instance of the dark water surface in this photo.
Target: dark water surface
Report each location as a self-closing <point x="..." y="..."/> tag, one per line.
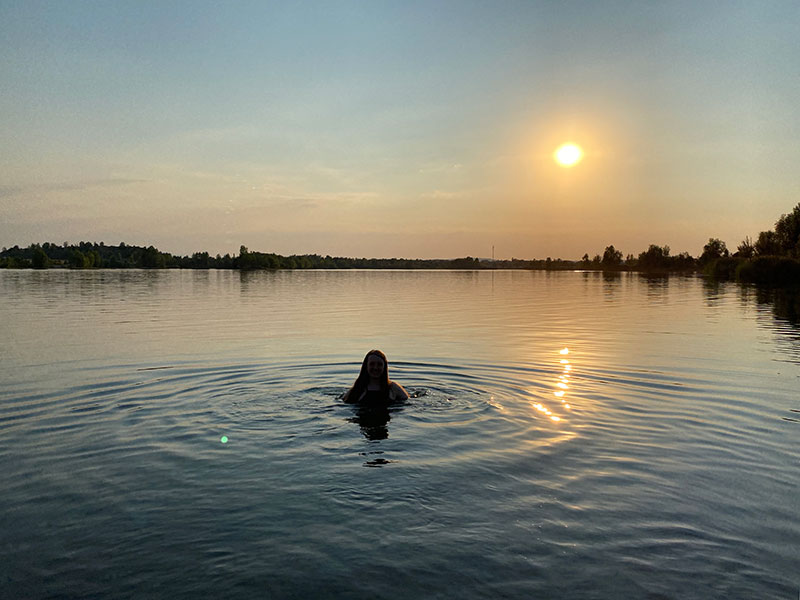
<point x="179" y="434"/>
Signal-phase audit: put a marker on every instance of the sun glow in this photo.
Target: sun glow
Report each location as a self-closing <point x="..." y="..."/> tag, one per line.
<point x="568" y="155"/>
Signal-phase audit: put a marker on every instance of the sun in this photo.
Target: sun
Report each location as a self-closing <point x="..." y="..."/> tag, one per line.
<point x="568" y="155"/>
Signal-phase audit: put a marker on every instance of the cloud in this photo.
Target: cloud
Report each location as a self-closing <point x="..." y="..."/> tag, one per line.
<point x="443" y="195"/>
<point x="218" y="134"/>
<point x="441" y="168"/>
<point x="8" y="191"/>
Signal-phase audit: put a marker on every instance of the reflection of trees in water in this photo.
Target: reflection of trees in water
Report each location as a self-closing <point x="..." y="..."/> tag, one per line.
<point x="785" y="306"/>
<point x="785" y="303"/>
<point x="612" y="280"/>
<point x="657" y="285"/>
<point x="712" y="291"/>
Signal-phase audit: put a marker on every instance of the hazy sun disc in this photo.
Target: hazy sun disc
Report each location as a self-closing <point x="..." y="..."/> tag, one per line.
<point x="568" y="155"/>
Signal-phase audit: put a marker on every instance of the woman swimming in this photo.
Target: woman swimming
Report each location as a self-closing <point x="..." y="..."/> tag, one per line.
<point x="373" y="385"/>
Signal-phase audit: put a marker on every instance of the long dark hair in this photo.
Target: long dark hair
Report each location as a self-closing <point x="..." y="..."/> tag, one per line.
<point x="360" y="385"/>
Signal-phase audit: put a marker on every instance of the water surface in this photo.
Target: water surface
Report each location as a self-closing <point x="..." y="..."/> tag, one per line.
<point x="181" y="434"/>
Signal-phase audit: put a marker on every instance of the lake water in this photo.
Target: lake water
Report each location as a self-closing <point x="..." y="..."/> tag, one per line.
<point x="180" y="434"/>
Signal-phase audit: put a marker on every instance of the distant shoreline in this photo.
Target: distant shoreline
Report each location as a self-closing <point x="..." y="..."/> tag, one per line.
<point x="93" y="256"/>
<point x="751" y="264"/>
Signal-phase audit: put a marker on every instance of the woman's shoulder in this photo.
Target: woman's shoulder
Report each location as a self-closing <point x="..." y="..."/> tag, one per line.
<point x="350" y="396"/>
<point x="396" y="391"/>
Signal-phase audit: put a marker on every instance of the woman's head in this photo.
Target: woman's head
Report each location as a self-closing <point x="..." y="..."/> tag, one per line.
<point x="374" y="369"/>
<point x="375" y="366"/>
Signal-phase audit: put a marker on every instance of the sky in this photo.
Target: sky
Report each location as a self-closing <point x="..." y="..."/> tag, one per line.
<point x="397" y="129"/>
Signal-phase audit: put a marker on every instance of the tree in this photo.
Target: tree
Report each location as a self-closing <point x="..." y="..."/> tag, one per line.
<point x="77" y="259"/>
<point x="655" y="257"/>
<point x="713" y="250"/>
<point x="152" y="259"/>
<point x="767" y="244"/>
<point x="201" y="260"/>
<point x="787" y="232"/>
<point x="245" y="260"/>
<point x="611" y="257"/>
<point x="682" y="262"/>
<point x="746" y="249"/>
<point x="40" y="259"/>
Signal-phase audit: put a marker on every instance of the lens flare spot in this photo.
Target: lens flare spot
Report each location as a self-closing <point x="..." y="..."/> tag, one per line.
<point x="224" y="439"/>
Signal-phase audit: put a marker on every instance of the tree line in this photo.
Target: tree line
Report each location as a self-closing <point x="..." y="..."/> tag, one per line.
<point x="773" y="258"/>
<point x="89" y="255"/>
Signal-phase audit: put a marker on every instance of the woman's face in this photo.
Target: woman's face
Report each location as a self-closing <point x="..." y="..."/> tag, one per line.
<point x="375" y="366"/>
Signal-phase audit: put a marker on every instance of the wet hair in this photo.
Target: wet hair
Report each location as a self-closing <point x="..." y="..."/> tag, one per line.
<point x="360" y="385"/>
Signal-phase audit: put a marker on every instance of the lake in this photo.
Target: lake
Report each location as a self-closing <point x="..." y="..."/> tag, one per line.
<point x="181" y="434"/>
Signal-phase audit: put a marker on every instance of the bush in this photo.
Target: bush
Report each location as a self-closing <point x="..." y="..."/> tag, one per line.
<point x="770" y="270"/>
<point x="723" y="269"/>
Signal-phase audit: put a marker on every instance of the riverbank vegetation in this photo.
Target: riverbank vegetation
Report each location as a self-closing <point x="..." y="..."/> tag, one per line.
<point x="773" y="259"/>
<point x="88" y="255"/>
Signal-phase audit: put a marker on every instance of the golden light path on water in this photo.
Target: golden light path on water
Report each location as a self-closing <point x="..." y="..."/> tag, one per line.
<point x="562" y="385"/>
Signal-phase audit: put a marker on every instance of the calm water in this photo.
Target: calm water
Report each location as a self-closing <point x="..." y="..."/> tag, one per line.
<point x="569" y="435"/>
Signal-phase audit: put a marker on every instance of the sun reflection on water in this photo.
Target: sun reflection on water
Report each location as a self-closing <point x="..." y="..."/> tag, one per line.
<point x="561" y="385"/>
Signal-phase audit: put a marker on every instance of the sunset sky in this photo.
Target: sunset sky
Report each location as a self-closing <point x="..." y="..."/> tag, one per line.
<point x="407" y="129"/>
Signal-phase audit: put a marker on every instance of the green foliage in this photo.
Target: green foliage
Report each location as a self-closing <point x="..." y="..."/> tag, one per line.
<point x="612" y="258"/>
<point x="787" y="234"/>
<point x="95" y="260"/>
<point x="713" y="250"/>
<point x="77" y="259"/>
<point x="770" y="270"/>
<point x="150" y="258"/>
<point x="724" y="268"/>
<point x="746" y="249"/>
<point x="654" y="258"/>
<point x="657" y="259"/>
<point x="40" y="259"/>
<point x="774" y="258"/>
<point x="767" y="244"/>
